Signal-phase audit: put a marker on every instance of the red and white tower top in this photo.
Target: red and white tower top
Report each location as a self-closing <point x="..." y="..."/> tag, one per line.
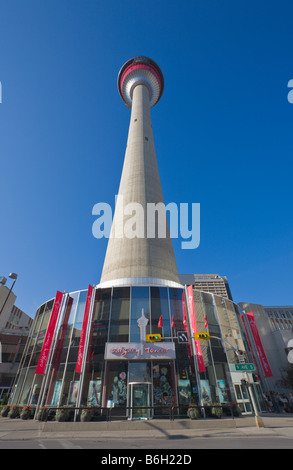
<point x="140" y="70"/>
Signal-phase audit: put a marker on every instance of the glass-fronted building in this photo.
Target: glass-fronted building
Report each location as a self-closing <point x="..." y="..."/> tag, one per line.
<point x="98" y="355"/>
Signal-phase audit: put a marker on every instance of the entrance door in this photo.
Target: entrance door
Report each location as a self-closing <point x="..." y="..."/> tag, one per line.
<point x="243" y="399"/>
<point x="139" y="400"/>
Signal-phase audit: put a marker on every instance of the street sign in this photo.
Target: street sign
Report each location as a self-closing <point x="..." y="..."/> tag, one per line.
<point x="182" y="337"/>
<point x="244" y="367"/>
<point x="241" y="358"/>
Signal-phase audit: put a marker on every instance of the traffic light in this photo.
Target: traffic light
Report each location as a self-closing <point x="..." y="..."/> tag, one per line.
<point x="202" y="335"/>
<point x="153" y="338"/>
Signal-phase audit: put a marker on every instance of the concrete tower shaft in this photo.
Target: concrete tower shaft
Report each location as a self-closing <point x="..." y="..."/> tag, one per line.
<point x="139" y="260"/>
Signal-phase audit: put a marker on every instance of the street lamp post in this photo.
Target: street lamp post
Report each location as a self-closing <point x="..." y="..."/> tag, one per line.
<point x="14" y="277"/>
<point x="258" y="419"/>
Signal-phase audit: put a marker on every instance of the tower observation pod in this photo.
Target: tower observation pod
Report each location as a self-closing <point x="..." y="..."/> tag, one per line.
<point x="140" y="249"/>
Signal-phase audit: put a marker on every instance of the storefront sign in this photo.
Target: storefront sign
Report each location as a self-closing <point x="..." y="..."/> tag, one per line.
<point x="139" y="351"/>
<point x="49" y="335"/>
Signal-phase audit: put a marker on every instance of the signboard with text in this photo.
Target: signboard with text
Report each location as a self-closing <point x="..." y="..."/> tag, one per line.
<point x="246" y="367"/>
<point x="139" y="351"/>
<point x="49" y="335"/>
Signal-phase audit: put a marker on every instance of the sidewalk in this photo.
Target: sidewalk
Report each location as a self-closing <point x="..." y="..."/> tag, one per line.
<point x="18" y="429"/>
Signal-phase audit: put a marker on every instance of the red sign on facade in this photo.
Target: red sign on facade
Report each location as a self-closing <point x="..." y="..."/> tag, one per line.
<point x="201" y="366"/>
<point x="84" y="329"/>
<point x="49" y="335"/>
<point x="259" y="346"/>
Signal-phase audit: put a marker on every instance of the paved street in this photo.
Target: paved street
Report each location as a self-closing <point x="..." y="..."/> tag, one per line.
<point x="206" y="442"/>
<point x="154" y="435"/>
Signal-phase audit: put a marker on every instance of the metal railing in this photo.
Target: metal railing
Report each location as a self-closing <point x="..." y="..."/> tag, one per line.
<point x="170" y="412"/>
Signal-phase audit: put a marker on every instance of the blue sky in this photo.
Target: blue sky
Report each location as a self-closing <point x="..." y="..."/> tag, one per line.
<point x="223" y="135"/>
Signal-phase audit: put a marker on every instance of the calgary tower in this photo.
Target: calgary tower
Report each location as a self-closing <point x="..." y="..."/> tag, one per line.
<point x="142" y="259"/>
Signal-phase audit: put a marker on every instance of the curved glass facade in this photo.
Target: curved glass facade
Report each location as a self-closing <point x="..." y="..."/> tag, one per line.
<point x="119" y="369"/>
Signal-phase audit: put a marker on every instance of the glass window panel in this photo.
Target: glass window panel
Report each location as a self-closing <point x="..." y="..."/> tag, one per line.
<point x="99" y="327"/>
<point x="70" y="386"/>
<point x="186" y="381"/>
<point x="139" y="372"/>
<point x="160" y="307"/>
<point x="163" y="383"/>
<point x="92" y="387"/>
<point x="238" y="392"/>
<point x="139" y="304"/>
<point x="18" y="386"/>
<point x="81" y="307"/>
<point x="119" y="320"/>
<point x="176" y="306"/>
<point x="248" y="407"/>
<point x="140" y="292"/>
<point x="23" y="400"/>
<point x="94" y="372"/>
<point x="71" y="318"/>
<point x="53" y="395"/>
<point x="244" y="392"/>
<point x="36" y="388"/>
<point x="116" y="392"/>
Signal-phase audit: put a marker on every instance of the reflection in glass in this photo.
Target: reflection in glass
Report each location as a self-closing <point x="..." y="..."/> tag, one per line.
<point x="139" y="302"/>
<point x="139" y="372"/>
<point x="117" y="384"/>
<point x="119" y="322"/>
<point x="160" y="307"/>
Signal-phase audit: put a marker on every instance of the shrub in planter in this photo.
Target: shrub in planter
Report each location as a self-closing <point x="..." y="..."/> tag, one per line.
<point x="86" y="415"/>
<point x="14" y="412"/>
<point x="217" y="411"/>
<point x="42" y="413"/>
<point x="5" y="410"/>
<point x="61" y="415"/>
<point x="26" y="412"/>
<point x="193" y="412"/>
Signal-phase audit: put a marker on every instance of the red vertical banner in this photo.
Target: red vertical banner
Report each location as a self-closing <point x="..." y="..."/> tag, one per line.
<point x="201" y="366"/>
<point x="84" y="329"/>
<point x="59" y="349"/>
<point x="258" y="344"/>
<point x="250" y="344"/>
<point x="49" y="334"/>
